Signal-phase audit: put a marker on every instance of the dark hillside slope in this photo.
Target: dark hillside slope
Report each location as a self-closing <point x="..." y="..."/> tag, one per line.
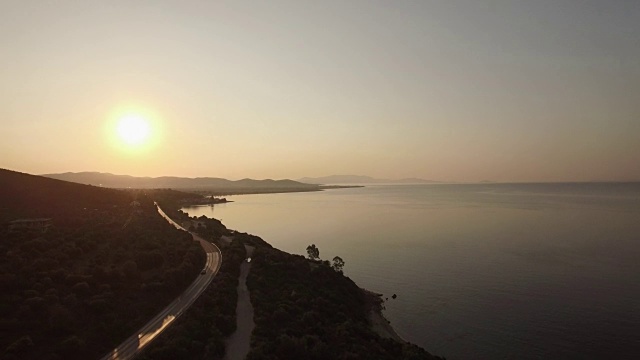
<point x="24" y="195"/>
<point x="105" y="267"/>
<point x="306" y="310"/>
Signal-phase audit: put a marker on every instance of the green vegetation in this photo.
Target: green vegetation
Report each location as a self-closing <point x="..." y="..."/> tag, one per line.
<point x="200" y="332"/>
<point x="304" y="309"/>
<point x="108" y="264"/>
<point x="338" y="264"/>
<point x="313" y="252"/>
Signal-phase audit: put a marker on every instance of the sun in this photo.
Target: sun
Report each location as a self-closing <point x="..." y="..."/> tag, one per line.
<point x="133" y="130"/>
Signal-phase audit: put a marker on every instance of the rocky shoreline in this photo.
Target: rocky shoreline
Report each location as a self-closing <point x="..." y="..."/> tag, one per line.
<point x="378" y="322"/>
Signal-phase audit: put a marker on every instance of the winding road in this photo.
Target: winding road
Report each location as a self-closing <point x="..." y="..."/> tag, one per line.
<point x="136" y="342"/>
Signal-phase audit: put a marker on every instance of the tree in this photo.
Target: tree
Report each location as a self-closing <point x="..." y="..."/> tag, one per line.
<point x="338" y="264"/>
<point x="313" y="252"/>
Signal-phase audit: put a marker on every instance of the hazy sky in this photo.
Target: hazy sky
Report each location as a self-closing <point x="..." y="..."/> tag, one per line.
<point x="444" y="90"/>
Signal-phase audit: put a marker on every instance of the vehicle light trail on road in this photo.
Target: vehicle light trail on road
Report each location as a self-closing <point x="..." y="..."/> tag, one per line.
<point x="132" y="346"/>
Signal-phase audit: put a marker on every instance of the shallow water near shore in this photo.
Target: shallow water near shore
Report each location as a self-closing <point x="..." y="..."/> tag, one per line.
<point x="481" y="271"/>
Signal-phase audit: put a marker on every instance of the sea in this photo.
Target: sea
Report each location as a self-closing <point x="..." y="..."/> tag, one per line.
<point x="480" y="271"/>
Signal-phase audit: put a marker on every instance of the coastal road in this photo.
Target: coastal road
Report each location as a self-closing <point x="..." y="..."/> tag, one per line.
<point x="141" y="338"/>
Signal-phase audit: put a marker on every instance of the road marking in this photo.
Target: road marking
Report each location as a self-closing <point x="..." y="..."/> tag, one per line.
<point x="136" y="342"/>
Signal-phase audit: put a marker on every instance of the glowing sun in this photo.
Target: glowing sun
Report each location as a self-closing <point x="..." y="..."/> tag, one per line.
<point x="133" y="129"/>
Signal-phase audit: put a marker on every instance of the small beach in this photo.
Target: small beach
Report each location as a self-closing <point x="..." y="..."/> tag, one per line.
<point x="378" y="322"/>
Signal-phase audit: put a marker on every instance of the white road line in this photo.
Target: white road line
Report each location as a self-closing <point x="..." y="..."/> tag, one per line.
<point x="136" y="342"/>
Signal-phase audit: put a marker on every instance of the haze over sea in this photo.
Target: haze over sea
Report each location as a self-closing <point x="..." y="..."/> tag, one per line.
<point x="481" y="271"/>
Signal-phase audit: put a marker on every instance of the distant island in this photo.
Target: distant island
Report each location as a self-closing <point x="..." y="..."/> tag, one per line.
<point x="210" y="186"/>
<point x="360" y="179"/>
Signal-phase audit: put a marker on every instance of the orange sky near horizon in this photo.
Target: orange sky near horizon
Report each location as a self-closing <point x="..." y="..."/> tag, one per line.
<point x="451" y="91"/>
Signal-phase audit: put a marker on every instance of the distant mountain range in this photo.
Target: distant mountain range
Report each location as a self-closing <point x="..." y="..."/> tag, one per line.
<point x="359" y="179"/>
<point x="220" y="185"/>
<point x="201" y="183"/>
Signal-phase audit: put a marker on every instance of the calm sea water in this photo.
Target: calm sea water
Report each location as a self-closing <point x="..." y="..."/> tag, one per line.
<point x="521" y="271"/>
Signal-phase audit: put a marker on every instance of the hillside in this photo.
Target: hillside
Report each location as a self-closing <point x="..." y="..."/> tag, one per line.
<point x="108" y="263"/>
<point x="23" y="195"/>
<point x="208" y="184"/>
<point x="304" y="309"/>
